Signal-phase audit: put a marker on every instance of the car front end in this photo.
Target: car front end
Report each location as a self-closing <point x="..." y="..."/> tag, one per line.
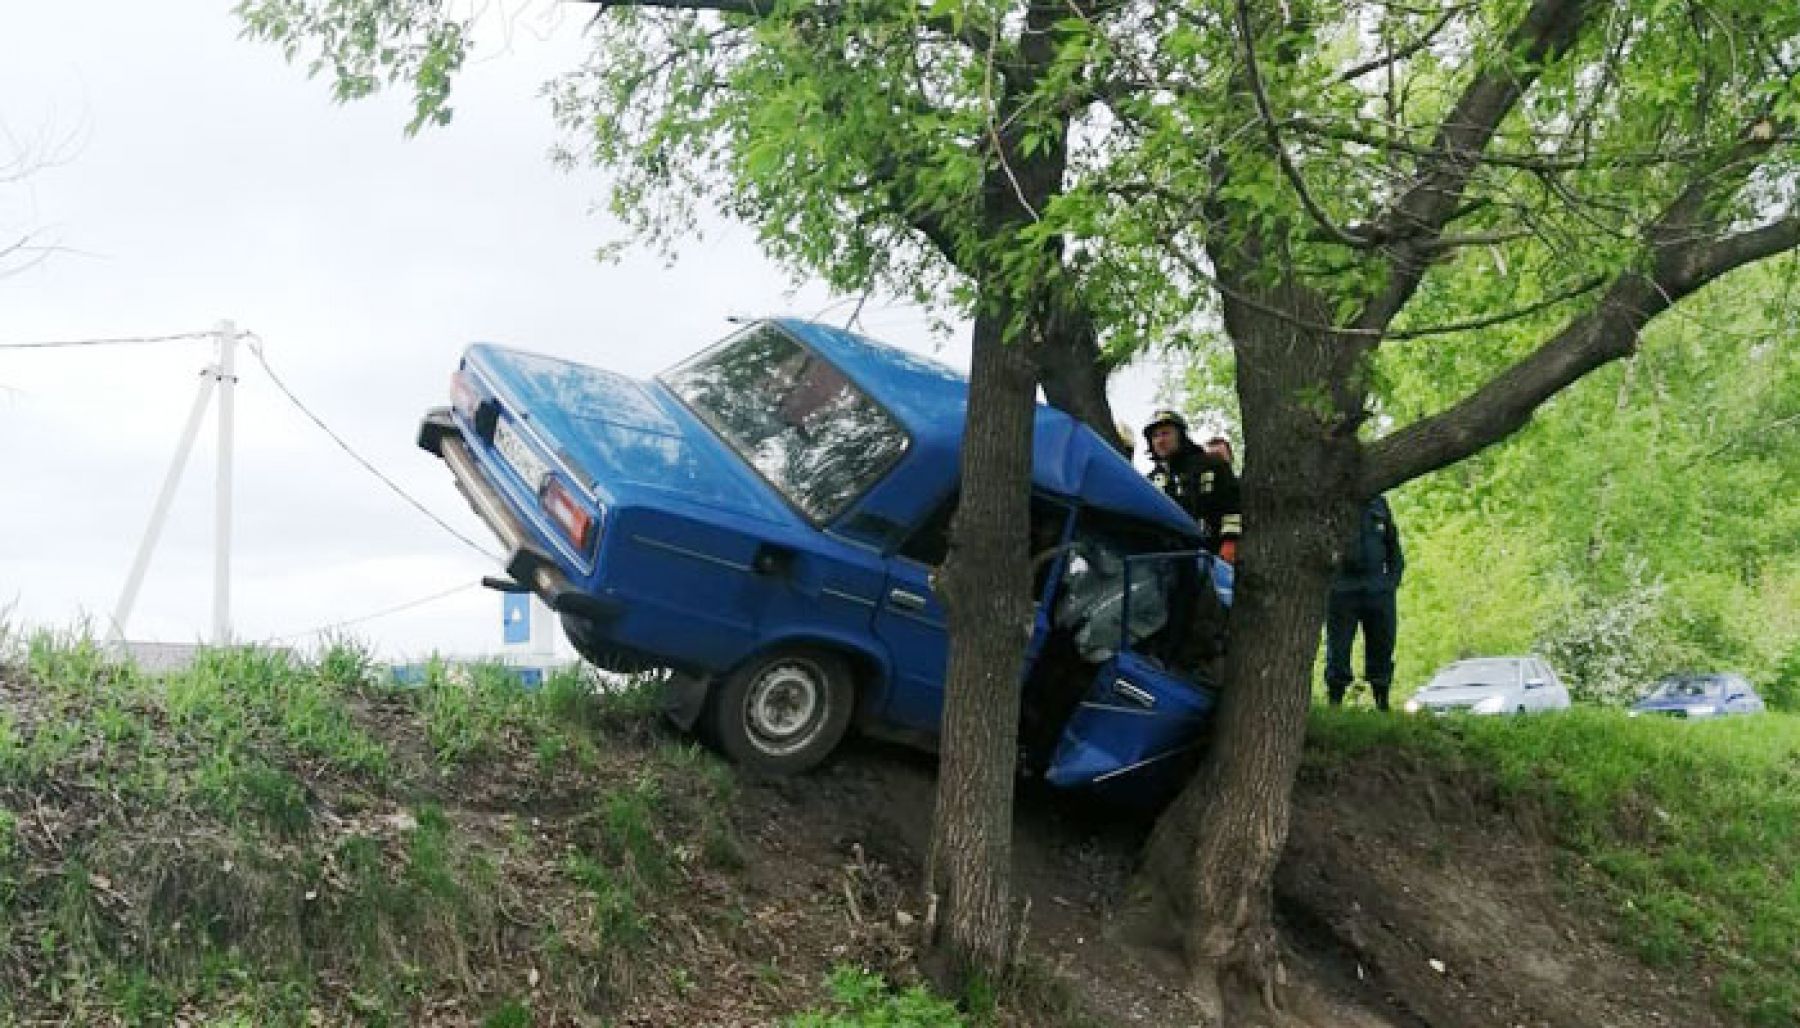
<point x="1442" y="703"/>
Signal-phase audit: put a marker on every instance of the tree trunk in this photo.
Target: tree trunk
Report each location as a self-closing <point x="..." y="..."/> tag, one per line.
<point x="1213" y="854"/>
<point x="986" y="582"/>
<point x="1072" y="372"/>
<point x="1214" y="851"/>
<point x="986" y="588"/>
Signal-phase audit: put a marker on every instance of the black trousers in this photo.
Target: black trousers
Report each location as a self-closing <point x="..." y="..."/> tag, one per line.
<point x="1374" y="611"/>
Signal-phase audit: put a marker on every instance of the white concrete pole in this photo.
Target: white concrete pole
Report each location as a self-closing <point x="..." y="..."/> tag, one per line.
<point x="222" y="486"/>
<point x="159" y="513"/>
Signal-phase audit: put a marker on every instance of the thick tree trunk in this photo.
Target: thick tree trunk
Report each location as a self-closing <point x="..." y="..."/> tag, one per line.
<point x="986" y="582"/>
<point x="1214" y="851"/>
<point x="1073" y="375"/>
<point x="986" y="588"/>
<point x="1213" y="854"/>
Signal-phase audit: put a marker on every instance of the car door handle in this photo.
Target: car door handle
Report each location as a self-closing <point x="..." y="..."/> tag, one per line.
<point x="906" y="600"/>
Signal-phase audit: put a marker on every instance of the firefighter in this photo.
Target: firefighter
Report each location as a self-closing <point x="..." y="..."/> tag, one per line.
<point x="1202" y="483"/>
<point x="1363" y="595"/>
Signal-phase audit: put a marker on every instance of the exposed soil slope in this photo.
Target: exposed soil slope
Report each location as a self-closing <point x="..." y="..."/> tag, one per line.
<point x="1393" y="871"/>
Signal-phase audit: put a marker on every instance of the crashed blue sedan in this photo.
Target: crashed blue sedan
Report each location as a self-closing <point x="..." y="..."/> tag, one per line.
<point x="764" y="519"/>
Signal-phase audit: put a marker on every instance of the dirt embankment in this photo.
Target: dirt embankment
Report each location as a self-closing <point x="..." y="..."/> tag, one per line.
<point x="1406" y="899"/>
<point x="643" y="884"/>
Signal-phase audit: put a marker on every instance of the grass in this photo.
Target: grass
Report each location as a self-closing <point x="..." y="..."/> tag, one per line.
<point x="257" y="839"/>
<point x="860" y="999"/>
<point x="1688" y="831"/>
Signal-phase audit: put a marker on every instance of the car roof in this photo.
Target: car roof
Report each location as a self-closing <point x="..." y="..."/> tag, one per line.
<point x="931" y="400"/>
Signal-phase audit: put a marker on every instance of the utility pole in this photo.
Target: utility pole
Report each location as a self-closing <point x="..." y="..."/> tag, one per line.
<point x="222" y="486"/>
<point x="221" y="375"/>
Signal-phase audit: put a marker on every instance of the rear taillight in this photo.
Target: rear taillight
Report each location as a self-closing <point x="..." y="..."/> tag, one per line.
<point x="569" y="514"/>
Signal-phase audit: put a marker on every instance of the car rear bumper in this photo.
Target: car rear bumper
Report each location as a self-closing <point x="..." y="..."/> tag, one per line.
<point x="528" y="566"/>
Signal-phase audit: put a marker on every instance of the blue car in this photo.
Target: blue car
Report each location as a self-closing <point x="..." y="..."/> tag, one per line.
<point x="764" y="519"/>
<point x="1698" y="696"/>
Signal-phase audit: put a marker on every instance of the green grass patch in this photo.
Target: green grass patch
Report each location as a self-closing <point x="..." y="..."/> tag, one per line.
<point x="265" y="837"/>
<point x="474" y="711"/>
<point x="1690" y="830"/>
<point x="860" y="999"/>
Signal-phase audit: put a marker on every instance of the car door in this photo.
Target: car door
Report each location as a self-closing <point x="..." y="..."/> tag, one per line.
<point x="1138" y="717"/>
<point x="1739" y="697"/>
<point x="910" y="620"/>
<point x="1552" y="695"/>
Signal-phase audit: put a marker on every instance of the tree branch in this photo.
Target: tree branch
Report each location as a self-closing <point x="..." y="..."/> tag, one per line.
<point x="1607" y="333"/>
<point x="1424" y="40"/>
<point x="1548" y="29"/>
<point x="1506" y="159"/>
<point x="1253" y="79"/>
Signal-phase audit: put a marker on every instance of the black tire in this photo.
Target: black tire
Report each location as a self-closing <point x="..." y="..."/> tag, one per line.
<point x="784" y="711"/>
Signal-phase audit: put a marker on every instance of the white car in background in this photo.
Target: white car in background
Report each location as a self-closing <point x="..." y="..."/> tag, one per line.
<point x="1491" y="685"/>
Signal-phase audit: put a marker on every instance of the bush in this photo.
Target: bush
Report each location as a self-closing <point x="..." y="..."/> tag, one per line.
<point x="1606" y="646"/>
<point x="1782" y="689"/>
<point x="864" y="1000"/>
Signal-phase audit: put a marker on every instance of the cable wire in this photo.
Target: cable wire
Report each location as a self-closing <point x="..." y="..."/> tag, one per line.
<point x="257" y="350"/>
<point x="53" y="344"/>
<point x="384" y="612"/>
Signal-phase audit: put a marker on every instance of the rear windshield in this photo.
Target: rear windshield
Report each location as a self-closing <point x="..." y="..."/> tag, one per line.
<point x="793" y="416"/>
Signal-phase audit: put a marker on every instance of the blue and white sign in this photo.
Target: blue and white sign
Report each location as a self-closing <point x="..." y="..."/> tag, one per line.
<point x="515" y="613"/>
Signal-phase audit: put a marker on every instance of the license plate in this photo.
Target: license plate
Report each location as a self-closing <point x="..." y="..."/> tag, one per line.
<point x="519" y="457"/>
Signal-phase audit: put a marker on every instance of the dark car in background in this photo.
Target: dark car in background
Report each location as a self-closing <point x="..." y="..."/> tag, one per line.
<point x="764" y="519"/>
<point x="1691" y="695"/>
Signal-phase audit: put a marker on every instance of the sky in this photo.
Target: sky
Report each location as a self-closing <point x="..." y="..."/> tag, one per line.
<point x="186" y="177"/>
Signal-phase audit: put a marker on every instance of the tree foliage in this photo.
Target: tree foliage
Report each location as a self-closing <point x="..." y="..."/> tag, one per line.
<point x="1652" y="492"/>
<point x="1639" y="525"/>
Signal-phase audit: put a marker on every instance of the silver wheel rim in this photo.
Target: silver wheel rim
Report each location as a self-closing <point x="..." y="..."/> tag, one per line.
<point x="784" y="707"/>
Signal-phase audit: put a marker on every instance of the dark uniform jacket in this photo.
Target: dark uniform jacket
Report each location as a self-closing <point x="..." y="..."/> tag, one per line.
<point x="1374" y="561"/>
<point x="1206" y="488"/>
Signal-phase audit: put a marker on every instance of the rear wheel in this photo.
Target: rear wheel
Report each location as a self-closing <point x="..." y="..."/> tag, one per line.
<point x="784" y="711"/>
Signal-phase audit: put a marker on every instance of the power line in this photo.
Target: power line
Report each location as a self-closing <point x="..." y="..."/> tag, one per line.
<point x="384" y="612"/>
<point x="257" y="350"/>
<point x="53" y="344"/>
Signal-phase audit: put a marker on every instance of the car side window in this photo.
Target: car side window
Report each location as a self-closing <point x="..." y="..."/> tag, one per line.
<point x="930" y="542"/>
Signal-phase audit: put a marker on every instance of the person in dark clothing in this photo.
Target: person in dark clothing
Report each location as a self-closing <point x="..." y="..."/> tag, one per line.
<point x="1220" y="447"/>
<point x="1363" y="593"/>
<point x="1202" y="483"/>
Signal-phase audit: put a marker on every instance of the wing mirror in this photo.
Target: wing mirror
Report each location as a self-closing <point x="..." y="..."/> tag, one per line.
<point x="1534" y="683"/>
<point x="1734" y="697"/>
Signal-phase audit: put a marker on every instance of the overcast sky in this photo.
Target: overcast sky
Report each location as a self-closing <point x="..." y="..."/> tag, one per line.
<point x="195" y="177"/>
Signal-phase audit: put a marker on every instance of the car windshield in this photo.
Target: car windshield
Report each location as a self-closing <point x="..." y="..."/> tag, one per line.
<point x="1477" y="672"/>
<point x="793" y="416"/>
<point x="1686" y="688"/>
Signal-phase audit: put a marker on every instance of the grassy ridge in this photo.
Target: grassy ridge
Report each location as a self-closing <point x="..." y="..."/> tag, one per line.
<point x="1689" y="830"/>
<point x="262" y="840"/>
